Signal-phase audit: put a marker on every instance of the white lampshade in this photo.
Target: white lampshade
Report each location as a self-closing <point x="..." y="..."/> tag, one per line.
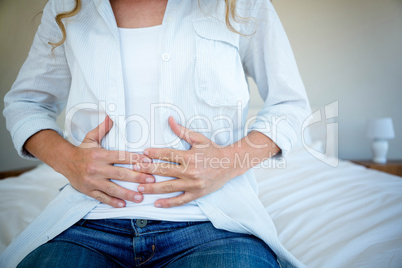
<point x="381" y="128"/>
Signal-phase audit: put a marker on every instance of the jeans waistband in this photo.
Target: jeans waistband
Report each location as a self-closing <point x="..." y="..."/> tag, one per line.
<point x="136" y="226"/>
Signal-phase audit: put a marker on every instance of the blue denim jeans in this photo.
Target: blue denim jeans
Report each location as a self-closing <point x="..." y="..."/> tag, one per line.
<point x="141" y="243"/>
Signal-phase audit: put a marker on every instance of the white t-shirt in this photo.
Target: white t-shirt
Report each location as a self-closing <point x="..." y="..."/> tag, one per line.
<point x="141" y="66"/>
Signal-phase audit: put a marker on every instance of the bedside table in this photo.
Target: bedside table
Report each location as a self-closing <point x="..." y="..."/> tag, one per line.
<point x="392" y="166"/>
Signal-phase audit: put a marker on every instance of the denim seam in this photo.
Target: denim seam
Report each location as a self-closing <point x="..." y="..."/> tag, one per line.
<point x="88" y="247"/>
<point x="159" y="231"/>
<point x="171" y="229"/>
<point x="83" y="222"/>
<point x="153" y="252"/>
<point x="111" y="226"/>
<point x="131" y="231"/>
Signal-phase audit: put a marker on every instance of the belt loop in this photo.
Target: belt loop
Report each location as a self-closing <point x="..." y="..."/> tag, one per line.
<point x="81" y="222"/>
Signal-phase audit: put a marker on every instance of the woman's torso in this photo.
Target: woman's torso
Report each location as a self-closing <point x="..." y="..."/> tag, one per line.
<point x="202" y="82"/>
<point x="139" y="29"/>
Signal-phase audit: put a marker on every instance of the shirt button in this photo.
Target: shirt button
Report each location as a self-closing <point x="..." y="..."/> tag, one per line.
<point x="169" y="19"/>
<point x="141" y="223"/>
<point x="165" y="57"/>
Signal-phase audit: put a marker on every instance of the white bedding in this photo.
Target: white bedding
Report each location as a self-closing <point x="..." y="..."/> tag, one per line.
<point x="346" y="216"/>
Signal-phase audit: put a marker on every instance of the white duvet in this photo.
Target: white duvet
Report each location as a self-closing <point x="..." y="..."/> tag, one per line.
<point x="346" y="216"/>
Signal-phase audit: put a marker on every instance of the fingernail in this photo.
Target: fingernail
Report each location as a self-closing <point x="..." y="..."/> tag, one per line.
<point x="141" y="189"/>
<point x="145" y="152"/>
<point x="158" y="205"/>
<point x="136" y="167"/>
<point x="137" y="197"/>
<point x="149" y="179"/>
<point x="146" y="160"/>
<point x="120" y="204"/>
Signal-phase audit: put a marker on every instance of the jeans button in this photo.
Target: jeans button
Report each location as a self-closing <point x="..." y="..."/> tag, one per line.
<point x="141" y="223"/>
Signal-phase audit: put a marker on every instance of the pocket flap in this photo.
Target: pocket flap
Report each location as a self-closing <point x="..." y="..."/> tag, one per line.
<point x="213" y="29"/>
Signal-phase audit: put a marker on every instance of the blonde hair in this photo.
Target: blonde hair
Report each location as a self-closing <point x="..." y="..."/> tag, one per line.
<point x="65" y="15"/>
<point x="231" y="14"/>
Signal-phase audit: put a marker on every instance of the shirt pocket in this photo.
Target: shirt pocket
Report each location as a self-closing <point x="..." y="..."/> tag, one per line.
<point x="220" y="80"/>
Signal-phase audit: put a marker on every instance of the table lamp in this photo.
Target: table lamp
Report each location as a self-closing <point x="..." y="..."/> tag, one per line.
<point x="380" y="131"/>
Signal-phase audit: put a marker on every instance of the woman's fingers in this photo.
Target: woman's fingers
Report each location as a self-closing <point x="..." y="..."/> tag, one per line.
<point x="165" y="187"/>
<point x="171" y="186"/>
<point x="114" y="195"/>
<point x="121" y="157"/>
<point x="107" y="199"/>
<point x="116" y="191"/>
<point x="125" y="174"/>
<point x="190" y="136"/>
<point x="112" y="190"/>
<point x="93" y="167"/>
<point x="175" y="201"/>
<point x="96" y="135"/>
<point x="167" y="154"/>
<point x="161" y="169"/>
<point x="104" y="198"/>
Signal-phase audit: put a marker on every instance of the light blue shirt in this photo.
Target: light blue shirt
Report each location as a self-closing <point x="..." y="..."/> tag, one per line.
<point x="203" y="85"/>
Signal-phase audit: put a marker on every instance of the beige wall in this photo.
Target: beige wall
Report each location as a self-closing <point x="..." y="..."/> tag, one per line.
<point x="18" y="25"/>
<point x="350" y="51"/>
<point x="347" y="51"/>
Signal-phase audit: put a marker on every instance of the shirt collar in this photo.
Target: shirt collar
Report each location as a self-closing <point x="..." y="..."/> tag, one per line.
<point x="105" y="10"/>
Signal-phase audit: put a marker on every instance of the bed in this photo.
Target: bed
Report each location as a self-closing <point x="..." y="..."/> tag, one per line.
<point x="344" y="216"/>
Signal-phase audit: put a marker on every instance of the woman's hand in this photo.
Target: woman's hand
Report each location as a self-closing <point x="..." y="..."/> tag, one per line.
<point x="203" y="169"/>
<point x="90" y="168"/>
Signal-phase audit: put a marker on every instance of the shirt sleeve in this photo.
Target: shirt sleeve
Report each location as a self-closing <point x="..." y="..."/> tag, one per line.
<point x="40" y="91"/>
<point x="269" y="60"/>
